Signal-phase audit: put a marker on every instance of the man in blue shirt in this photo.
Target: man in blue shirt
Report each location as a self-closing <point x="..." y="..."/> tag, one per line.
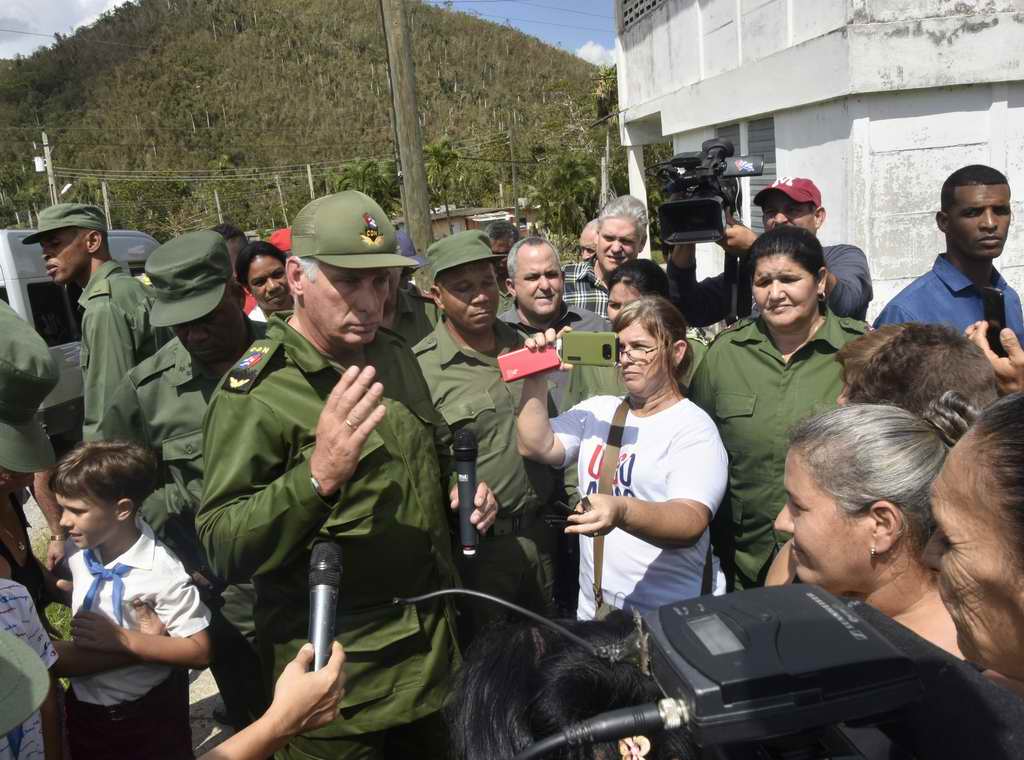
<point x="975" y="219"/>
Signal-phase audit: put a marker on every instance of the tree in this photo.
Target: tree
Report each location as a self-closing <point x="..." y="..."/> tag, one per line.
<point x="442" y="162"/>
<point x="566" y="193"/>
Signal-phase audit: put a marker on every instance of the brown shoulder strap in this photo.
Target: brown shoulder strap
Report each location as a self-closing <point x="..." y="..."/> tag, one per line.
<point x="609" y="463"/>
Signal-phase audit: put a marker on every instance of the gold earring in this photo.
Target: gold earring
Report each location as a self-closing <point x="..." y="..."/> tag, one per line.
<point x="874" y="551"/>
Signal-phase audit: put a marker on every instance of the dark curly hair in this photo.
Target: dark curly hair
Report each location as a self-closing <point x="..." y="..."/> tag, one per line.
<point x="916" y="365"/>
<point x="520" y="684"/>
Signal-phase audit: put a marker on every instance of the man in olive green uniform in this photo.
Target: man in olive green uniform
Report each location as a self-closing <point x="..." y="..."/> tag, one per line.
<point x="408" y="312"/>
<point x="116" y="330"/>
<point x="755" y="397"/>
<point x="324" y="431"/>
<point x="161" y="404"/>
<point x="501" y="236"/>
<point x="459" y="362"/>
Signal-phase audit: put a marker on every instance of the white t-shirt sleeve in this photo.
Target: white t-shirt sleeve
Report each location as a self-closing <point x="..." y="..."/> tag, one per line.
<point x="572" y="426"/>
<point x="179" y="607"/>
<point x="705" y="476"/>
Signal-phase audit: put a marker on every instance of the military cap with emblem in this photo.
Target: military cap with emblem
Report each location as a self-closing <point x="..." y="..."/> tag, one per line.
<point x="64" y="215"/>
<point x="458" y="249"/>
<point x="27" y="374"/>
<point x="188" y="275"/>
<point x="347" y="229"/>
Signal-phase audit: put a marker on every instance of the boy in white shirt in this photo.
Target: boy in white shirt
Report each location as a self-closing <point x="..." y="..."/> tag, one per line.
<point x="139" y="710"/>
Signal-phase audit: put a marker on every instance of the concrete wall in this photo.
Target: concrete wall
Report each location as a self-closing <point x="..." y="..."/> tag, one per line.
<point x="877" y="100"/>
<point x="880" y="160"/>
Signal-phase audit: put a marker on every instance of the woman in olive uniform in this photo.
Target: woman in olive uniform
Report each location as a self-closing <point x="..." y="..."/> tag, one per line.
<point x="761" y="377"/>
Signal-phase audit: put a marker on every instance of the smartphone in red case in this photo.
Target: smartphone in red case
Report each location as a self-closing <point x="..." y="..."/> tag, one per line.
<point x="515" y="365"/>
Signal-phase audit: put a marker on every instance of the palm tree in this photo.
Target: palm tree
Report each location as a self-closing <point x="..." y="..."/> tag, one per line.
<point x="441" y="162"/>
<point x="378" y="179"/>
<point x="566" y="193"/>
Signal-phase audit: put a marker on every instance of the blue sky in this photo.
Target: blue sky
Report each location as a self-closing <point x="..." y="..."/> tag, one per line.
<point x="583" y="27"/>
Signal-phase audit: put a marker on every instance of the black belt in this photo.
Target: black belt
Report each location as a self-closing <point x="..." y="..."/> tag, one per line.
<point x="514" y="525"/>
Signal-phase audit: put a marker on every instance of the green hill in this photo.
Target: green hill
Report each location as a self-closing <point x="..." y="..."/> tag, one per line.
<point x="236" y="94"/>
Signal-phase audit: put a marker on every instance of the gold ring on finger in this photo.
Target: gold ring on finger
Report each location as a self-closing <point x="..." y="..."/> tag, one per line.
<point x="351" y="425"/>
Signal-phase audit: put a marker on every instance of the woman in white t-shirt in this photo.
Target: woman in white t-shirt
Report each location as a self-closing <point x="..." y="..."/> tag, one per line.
<point x="672" y="468"/>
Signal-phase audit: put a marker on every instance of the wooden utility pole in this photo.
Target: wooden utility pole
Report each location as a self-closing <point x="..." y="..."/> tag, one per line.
<point x="512" y="157"/>
<point x="416" y="198"/>
<point x="216" y="200"/>
<point x="49" y="171"/>
<point x="280" y="197"/>
<point x="106" y="202"/>
<point x="309" y="176"/>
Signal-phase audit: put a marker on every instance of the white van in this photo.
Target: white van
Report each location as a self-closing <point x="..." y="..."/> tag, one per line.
<point x="54" y="311"/>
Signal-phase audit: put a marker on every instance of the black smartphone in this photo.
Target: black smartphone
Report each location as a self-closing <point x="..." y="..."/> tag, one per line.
<point x="995" y="316"/>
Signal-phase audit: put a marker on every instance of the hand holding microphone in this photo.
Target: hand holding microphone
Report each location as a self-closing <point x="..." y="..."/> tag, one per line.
<point x="474" y="501"/>
<point x="324" y="581"/>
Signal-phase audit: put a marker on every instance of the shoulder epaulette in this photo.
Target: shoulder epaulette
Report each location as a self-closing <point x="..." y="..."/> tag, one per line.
<point x="243" y="375"/>
<point x="852" y="325"/>
<point x="731" y="329"/>
<point x="428" y="343"/>
<point x="152" y="366"/>
<point x="102" y="288"/>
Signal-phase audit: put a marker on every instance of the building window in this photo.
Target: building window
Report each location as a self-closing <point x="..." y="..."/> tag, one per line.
<point x="761" y="139"/>
<point x="634" y="10"/>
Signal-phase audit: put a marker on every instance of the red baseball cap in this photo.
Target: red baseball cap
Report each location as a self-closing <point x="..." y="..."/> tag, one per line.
<point x="281" y="239"/>
<point x="798" y="189"/>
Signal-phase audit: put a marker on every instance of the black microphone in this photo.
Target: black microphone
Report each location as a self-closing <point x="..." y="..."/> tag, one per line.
<point x="324" y="579"/>
<point x="465" y="451"/>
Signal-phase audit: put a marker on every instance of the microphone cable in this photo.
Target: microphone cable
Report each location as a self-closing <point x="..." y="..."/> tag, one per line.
<point x="539" y="619"/>
<point x="664" y="715"/>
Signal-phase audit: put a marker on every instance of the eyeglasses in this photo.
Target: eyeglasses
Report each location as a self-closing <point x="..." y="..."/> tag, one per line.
<point x="791" y="212"/>
<point x="637" y="355"/>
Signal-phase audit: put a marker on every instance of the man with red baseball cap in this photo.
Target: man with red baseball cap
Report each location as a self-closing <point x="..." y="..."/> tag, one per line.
<point x="788" y="200"/>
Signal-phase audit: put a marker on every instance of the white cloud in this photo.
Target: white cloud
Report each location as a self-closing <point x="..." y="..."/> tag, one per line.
<point x="45" y="17"/>
<point x="596" y="53"/>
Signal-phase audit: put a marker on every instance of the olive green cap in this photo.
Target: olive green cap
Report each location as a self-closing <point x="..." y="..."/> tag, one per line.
<point x="458" y="249"/>
<point x="24" y="682"/>
<point x="64" y="215"/>
<point x="27" y="374"/>
<point x="188" y="275"/>
<point x="346" y="229"/>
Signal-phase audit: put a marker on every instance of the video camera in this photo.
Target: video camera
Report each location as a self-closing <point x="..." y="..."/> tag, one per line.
<point x="704" y="185"/>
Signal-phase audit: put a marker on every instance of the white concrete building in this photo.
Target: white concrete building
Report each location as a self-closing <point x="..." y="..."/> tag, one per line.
<point x="877" y="101"/>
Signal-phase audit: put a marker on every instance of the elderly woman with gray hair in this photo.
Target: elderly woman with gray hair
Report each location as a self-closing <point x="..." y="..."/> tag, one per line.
<point x="859" y="482"/>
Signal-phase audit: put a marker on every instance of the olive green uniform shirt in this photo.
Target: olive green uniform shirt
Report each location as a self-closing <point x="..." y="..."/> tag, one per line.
<point x="415" y="317"/>
<point x="160" y="404"/>
<point x="468" y="391"/>
<point x="260" y="517"/>
<point x="116" y="335"/>
<point x="755" y="398"/>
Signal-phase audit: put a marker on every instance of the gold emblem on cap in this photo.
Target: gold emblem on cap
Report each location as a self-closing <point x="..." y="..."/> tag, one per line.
<point x="372" y="234"/>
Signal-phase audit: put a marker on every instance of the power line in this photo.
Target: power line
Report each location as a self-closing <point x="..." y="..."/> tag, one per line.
<point x="55" y="37"/>
<point x="536" y="21"/>
<point x="443" y="3"/>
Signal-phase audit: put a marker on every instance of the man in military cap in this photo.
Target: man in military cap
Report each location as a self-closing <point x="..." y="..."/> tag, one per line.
<point x="161" y="403"/>
<point x="116" y="330"/>
<point x="406" y="311"/>
<point x="459" y="359"/>
<point x="325" y="431"/>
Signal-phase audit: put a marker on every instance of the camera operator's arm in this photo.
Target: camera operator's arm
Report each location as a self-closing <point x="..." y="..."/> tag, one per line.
<point x="849" y="281"/>
<point x="703" y="303"/>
